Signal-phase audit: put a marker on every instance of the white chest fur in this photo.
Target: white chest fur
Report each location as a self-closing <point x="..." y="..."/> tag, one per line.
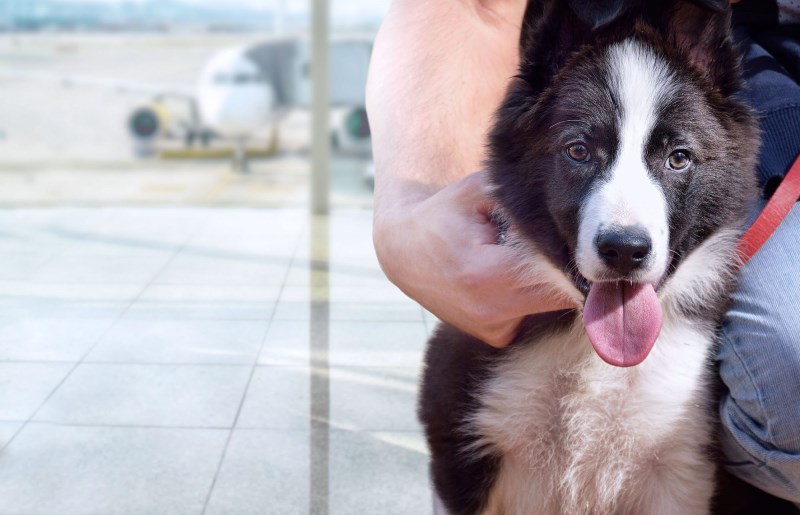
<point x="580" y="436"/>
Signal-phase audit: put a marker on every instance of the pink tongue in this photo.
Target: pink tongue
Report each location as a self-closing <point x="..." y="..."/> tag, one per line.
<point x="623" y="321"/>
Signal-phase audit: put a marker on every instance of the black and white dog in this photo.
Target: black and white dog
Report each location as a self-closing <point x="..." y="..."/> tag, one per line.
<point x="623" y="165"/>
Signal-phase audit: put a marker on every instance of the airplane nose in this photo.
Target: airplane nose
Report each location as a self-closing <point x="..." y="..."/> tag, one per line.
<point x="624" y="249"/>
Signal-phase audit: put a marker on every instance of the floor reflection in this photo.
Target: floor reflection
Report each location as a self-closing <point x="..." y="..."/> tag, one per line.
<point x="205" y="361"/>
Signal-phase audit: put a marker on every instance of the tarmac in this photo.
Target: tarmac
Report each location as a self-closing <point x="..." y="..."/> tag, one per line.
<point x="278" y="181"/>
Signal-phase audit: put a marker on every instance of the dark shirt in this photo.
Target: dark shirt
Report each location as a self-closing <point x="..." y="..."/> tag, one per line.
<point x="771" y="61"/>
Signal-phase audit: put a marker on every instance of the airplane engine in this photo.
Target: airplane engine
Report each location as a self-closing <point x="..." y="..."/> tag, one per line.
<point x="146" y="125"/>
<point x="350" y="132"/>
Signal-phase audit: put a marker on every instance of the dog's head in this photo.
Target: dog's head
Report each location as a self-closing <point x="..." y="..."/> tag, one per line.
<point x="620" y="149"/>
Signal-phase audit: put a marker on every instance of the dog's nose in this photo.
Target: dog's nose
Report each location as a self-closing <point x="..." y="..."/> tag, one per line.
<point x="624" y="249"/>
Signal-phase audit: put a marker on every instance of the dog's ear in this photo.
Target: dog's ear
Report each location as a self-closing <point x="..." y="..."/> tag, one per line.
<point x="551" y="32"/>
<point x="597" y="13"/>
<point x="702" y="31"/>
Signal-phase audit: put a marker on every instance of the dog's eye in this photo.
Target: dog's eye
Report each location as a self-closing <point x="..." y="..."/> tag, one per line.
<point x="678" y="160"/>
<point x="578" y="152"/>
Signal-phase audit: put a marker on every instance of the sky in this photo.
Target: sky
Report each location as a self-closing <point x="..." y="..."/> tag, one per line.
<point x="343" y="12"/>
<point x="349" y="8"/>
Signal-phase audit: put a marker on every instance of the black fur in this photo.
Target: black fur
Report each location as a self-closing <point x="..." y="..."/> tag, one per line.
<point x="456" y="366"/>
<point x="561" y="92"/>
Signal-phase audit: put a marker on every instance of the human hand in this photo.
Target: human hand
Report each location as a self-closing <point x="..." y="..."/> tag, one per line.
<point x="442" y="252"/>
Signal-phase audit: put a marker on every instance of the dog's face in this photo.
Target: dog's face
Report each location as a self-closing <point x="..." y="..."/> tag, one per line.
<point x="618" y="152"/>
<point x="638" y="164"/>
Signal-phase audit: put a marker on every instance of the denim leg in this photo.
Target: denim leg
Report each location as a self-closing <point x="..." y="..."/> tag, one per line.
<point x="759" y="360"/>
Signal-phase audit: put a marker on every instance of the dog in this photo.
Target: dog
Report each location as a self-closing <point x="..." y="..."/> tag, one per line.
<point x="623" y="167"/>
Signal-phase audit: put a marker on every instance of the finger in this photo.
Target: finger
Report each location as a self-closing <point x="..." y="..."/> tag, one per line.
<point x="532" y="300"/>
<point x="507" y="263"/>
<point x="531" y="293"/>
<point x="500" y="338"/>
<point x="541" y="299"/>
<point x="475" y="190"/>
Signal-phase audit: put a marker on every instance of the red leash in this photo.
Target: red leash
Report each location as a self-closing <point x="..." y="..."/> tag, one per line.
<point x="774" y="212"/>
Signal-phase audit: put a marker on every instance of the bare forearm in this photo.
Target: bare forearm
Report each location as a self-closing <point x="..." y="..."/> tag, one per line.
<point x="438" y="71"/>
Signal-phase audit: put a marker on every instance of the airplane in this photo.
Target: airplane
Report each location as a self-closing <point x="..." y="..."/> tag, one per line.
<point x="242" y="91"/>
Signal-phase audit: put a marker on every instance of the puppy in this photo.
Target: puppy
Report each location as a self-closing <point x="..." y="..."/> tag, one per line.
<point x="623" y="164"/>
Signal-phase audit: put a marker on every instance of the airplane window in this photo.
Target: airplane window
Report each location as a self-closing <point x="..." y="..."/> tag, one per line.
<point x="245" y="78"/>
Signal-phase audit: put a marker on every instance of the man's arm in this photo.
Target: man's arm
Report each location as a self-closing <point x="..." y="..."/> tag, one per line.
<point x="439" y="70"/>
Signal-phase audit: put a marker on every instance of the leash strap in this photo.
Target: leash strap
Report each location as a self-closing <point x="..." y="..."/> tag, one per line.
<point x="773" y="213"/>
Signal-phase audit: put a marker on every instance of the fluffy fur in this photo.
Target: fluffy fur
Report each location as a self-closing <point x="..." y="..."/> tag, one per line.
<point x="545" y="426"/>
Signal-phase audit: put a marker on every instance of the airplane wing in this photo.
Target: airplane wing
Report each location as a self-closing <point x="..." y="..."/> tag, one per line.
<point x="120" y="86"/>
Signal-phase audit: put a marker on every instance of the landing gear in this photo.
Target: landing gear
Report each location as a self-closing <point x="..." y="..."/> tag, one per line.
<point x="240" y="162"/>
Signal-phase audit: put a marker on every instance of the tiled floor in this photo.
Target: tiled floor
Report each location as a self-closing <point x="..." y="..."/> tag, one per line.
<point x="205" y="361"/>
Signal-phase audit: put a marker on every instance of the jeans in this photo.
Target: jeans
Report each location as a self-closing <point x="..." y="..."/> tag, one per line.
<point x="759" y="359"/>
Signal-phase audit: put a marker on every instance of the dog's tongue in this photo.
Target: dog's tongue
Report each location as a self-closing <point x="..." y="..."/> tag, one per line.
<point x="623" y="321"/>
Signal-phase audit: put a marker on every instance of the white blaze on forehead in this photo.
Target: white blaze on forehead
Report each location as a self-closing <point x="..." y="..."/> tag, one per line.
<point x="640" y="82"/>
